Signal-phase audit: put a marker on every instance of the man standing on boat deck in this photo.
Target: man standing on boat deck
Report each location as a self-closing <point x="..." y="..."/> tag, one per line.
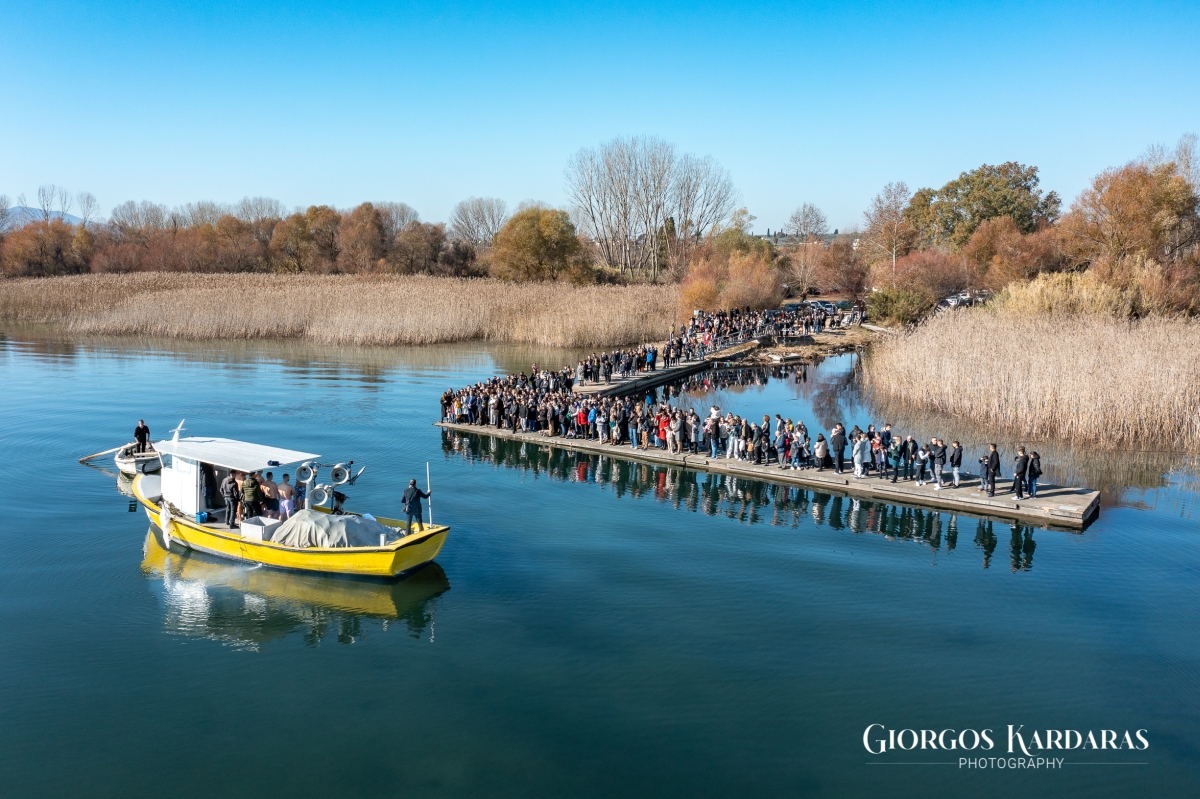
<point x="411" y="499"/>
<point x="251" y="496"/>
<point x="230" y="493"/>
<point x="141" y="435"/>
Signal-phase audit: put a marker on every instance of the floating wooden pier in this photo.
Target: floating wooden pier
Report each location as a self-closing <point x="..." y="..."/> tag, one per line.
<point x="642" y="381"/>
<point x="1058" y="506"/>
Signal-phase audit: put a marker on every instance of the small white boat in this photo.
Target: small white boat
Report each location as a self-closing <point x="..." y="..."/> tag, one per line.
<point x="132" y="463"/>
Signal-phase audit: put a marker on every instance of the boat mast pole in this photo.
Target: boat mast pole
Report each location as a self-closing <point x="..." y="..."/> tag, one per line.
<point x="428" y="490"/>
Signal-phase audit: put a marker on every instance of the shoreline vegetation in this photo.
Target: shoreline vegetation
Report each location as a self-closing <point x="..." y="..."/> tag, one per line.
<point x="375" y="310"/>
<point x="1090" y="334"/>
<point x="1100" y="381"/>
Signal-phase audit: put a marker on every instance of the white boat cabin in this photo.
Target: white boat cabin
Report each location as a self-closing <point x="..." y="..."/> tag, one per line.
<point x="193" y="468"/>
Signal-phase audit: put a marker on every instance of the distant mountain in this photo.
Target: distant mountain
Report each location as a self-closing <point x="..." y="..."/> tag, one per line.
<point x="20" y="214"/>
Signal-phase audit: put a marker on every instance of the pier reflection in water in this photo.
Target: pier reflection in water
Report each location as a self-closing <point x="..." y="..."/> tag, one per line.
<point x="248" y="606"/>
<point x="750" y="501"/>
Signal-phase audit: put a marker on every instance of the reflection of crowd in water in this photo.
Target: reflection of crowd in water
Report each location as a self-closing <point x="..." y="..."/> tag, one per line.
<point x="746" y="500"/>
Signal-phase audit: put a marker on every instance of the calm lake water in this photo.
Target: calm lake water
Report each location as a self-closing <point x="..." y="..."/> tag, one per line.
<point x="592" y="627"/>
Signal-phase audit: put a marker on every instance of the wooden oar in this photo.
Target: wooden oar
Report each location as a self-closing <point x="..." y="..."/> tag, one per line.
<point x="105" y="452"/>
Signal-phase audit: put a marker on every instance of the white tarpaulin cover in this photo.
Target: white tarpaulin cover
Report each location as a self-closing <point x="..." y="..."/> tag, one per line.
<point x="310" y="528"/>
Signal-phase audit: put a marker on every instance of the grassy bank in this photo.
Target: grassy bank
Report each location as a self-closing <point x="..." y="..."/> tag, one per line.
<point x="1090" y="379"/>
<point x="329" y="309"/>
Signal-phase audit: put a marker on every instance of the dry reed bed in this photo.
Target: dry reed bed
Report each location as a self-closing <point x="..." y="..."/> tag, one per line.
<point x="1093" y="380"/>
<point x="359" y="310"/>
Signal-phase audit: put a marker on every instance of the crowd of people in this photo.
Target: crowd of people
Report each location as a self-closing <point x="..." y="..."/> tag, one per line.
<point x="544" y="402"/>
<point x="707" y="332"/>
<point x="782" y="442"/>
<point x="246" y="495"/>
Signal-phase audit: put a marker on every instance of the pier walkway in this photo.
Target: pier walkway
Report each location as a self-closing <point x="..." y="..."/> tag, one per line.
<point x="641" y="381"/>
<point x="1057" y="506"/>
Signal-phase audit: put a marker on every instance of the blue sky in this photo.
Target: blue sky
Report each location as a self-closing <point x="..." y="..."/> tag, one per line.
<point x="430" y="103"/>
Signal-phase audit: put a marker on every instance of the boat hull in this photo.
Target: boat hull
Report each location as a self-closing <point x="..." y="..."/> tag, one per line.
<point x="138" y="464"/>
<point x="391" y="560"/>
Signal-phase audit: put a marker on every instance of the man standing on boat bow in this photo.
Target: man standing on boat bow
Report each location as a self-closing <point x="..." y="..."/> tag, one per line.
<point x="411" y="499"/>
<point x="141" y="435"/>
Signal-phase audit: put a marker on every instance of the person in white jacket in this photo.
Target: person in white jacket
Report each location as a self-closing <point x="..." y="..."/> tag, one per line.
<point x="861" y="452"/>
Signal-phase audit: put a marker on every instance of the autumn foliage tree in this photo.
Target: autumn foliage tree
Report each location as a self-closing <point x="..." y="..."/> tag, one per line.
<point x="537" y="244"/>
<point x="46" y="248"/>
<point x="1000" y="253"/>
<point x="733" y="270"/>
<point x="842" y="267"/>
<point x="950" y="215"/>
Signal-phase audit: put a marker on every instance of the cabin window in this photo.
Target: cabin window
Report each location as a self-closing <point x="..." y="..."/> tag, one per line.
<point x="167" y="460"/>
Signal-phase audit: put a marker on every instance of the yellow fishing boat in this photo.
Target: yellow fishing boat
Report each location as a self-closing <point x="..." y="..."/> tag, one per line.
<point x="375" y="599"/>
<point x="249" y="606"/>
<point x="180" y="501"/>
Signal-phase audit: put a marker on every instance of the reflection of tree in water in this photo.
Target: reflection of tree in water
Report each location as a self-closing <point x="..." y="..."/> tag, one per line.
<point x="369" y="366"/>
<point x="247" y="606"/>
<point x="738" y="498"/>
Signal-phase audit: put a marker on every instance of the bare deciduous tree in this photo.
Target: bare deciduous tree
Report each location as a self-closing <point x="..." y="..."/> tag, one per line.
<point x="262" y="214"/>
<point x="26" y="215"/>
<point x="477" y="220"/>
<point x="256" y="209"/>
<point x="637" y="200"/>
<point x="88" y="207"/>
<point x="396" y="217"/>
<point x="65" y="201"/>
<point x="600" y="185"/>
<point x="5" y="213"/>
<point x="204" y="212"/>
<point x="888" y="232"/>
<point x="703" y="197"/>
<point x="47" y="195"/>
<point x="133" y="220"/>
<point x="808" y="224"/>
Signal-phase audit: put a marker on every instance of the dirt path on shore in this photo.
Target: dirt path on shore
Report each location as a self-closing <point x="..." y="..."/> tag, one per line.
<point x="820" y="345"/>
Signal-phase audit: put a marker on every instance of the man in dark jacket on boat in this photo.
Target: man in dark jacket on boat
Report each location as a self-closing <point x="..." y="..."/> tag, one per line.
<point x="141" y="435"/>
<point x="411" y="499"/>
<point x="229" y="493"/>
<point x="251" y="496"/>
